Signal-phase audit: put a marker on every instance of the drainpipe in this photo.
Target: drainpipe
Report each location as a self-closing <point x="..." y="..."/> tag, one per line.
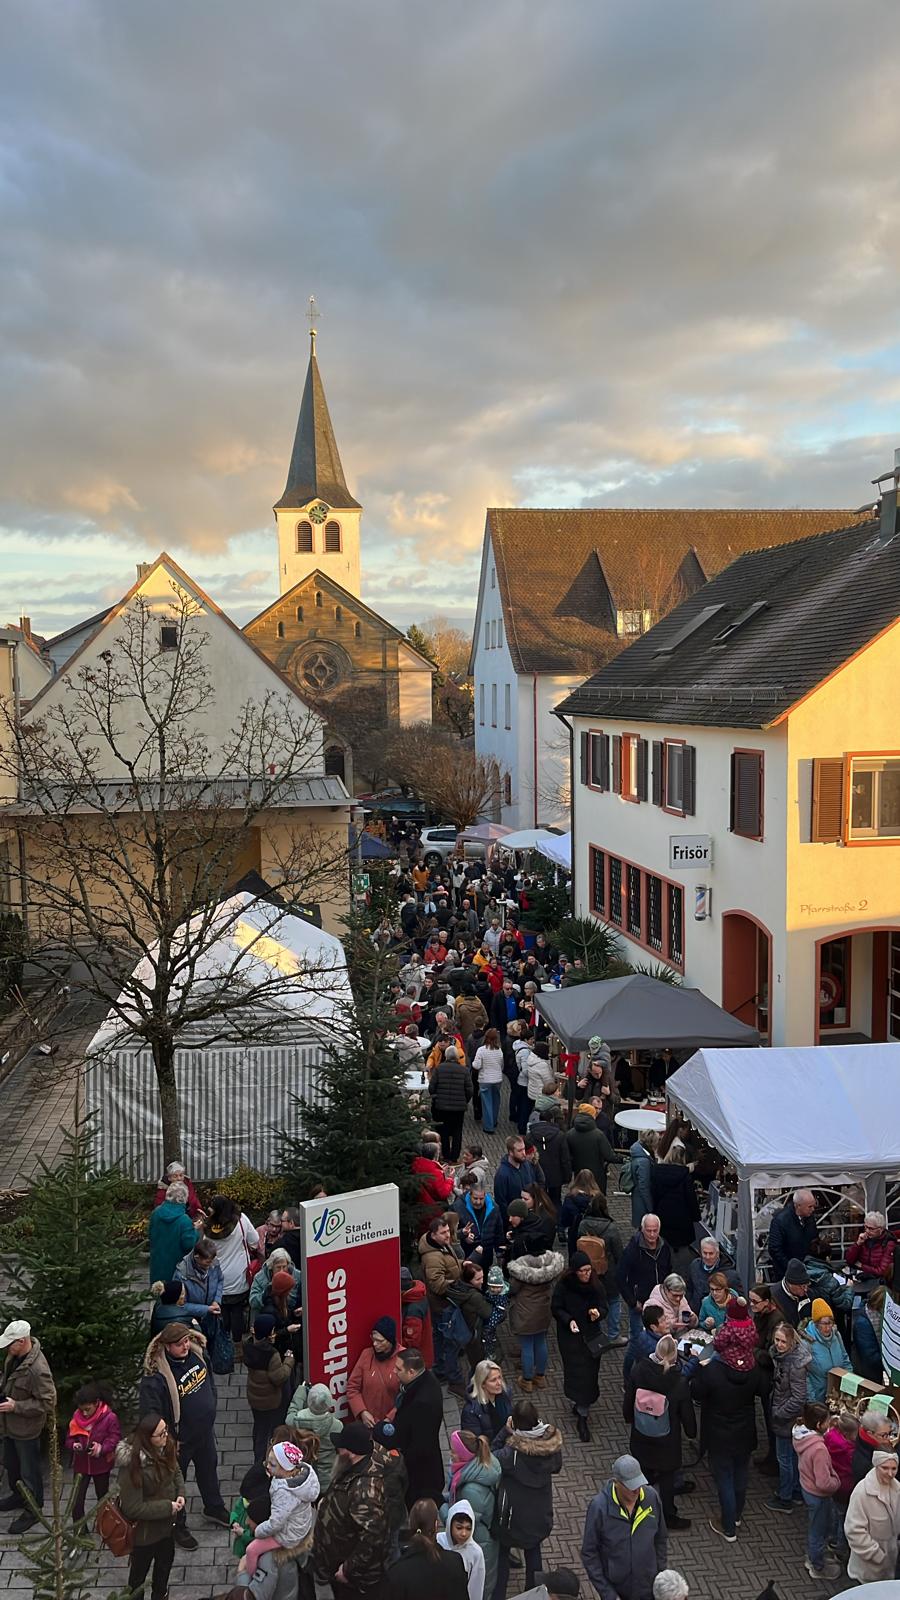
<point x="534" y="758"/>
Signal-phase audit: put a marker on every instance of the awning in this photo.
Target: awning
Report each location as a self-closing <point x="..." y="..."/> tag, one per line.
<point x="558" y="849"/>
<point x="640" y="1013"/>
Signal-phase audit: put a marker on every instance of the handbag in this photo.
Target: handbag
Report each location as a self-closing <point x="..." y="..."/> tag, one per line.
<point x="114" y="1529"/>
<point x="597" y="1341"/>
<point x="220" y="1349"/>
<point x="253" y="1262"/>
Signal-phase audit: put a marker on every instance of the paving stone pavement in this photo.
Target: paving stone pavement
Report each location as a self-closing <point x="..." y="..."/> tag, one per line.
<point x="769" y="1546"/>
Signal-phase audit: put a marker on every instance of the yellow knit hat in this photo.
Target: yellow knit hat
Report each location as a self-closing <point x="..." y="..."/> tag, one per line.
<point x="591" y="1110"/>
<point x="821" y="1308"/>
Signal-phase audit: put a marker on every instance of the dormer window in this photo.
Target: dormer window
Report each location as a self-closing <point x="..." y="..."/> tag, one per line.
<point x="168" y="636"/>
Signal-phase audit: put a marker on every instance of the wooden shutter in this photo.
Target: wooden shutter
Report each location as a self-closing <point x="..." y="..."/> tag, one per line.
<point x="585" y="755"/>
<point x="604" y="760"/>
<point x="746" y="793"/>
<point x="827" y="800"/>
<point x="689" y="780"/>
<point x="642" y="769"/>
<point x="617" y="763"/>
<point x="656" y="788"/>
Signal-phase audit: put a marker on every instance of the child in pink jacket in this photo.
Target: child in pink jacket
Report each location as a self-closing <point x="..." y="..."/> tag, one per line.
<point x="819" y="1483"/>
<point x="840" y="1441"/>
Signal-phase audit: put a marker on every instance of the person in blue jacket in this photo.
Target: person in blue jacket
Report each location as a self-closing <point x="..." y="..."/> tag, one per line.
<point x="170" y="1233"/>
<point x="827" y="1349"/>
<point x="643" y="1158"/>
<point x="481" y="1230"/>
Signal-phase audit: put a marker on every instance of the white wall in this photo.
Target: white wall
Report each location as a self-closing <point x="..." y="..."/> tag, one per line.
<point x="342" y="566"/>
<point x="493" y="670"/>
<point x="415" y="683"/>
<point x="746" y="875"/>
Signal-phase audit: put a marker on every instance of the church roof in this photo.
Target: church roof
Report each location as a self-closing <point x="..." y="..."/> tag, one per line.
<point x="315" y="472"/>
<point x="352" y="602"/>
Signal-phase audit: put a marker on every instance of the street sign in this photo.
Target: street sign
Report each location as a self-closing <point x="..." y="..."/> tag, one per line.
<point x="689" y="852"/>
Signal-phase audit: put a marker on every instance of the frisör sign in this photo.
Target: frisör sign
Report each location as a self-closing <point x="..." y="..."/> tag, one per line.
<point x="687" y="850"/>
<point x="351" y="1277"/>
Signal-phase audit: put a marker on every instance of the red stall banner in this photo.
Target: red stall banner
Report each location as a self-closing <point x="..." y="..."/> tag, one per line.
<point x="351" y="1277"/>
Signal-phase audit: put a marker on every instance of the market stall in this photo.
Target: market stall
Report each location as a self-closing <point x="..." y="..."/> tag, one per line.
<point x="638" y="1012"/>
<point x="823" y="1117"/>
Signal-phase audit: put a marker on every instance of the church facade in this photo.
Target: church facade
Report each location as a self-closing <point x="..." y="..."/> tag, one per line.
<point x="356" y="668"/>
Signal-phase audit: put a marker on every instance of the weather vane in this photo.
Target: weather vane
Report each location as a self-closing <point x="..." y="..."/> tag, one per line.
<point x="312" y="317"/>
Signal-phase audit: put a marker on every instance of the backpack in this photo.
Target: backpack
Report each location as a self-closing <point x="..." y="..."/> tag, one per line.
<point x="595" y="1247"/>
<point x="627" y="1177"/>
<point x="651" y="1413"/>
<point x="413" y="1326"/>
<point x="454" y="1327"/>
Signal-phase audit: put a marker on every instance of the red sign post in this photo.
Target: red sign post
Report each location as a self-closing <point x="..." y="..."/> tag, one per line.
<point x="351" y="1277"/>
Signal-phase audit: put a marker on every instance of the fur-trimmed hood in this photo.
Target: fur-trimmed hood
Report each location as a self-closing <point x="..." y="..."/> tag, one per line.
<point x="546" y="1445"/>
<point x="156" y="1349"/>
<point x="541" y="1268"/>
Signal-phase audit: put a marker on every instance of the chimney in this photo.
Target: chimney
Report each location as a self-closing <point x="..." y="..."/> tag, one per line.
<point x="143" y="567"/>
<point x="25" y="626"/>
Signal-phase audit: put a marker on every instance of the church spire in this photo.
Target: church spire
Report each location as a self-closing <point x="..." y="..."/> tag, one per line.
<point x="315" y="472"/>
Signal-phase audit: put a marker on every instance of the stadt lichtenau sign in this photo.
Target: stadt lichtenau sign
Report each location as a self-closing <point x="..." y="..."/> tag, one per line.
<point x="690" y="852"/>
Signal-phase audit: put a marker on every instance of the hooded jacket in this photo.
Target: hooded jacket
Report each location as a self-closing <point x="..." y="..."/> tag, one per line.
<point x="788" y="1387"/>
<point x="148" y="1504"/>
<point x="30" y="1383"/>
<point x="267" y="1373"/>
<point x="823" y="1355"/>
<point x="441" y="1267"/>
<point x="159" y="1390"/>
<point x="840" y="1451"/>
<point x="527" y="1467"/>
<point x="622" y="1554"/>
<point x="261" y="1287"/>
<point x="817" y="1474"/>
<point x="291" y="1515"/>
<point x="351" y="1526"/>
<point x="531" y="1280"/>
<point x="470" y="1553"/>
<point x="479" y="1483"/>
<point x="589" y="1147"/>
<point x="324" y="1424"/>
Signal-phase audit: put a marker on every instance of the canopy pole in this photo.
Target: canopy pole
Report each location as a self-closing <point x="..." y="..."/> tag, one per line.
<point x="746" y="1244"/>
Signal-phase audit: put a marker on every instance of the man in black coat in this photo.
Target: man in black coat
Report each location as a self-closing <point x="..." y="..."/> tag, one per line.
<point x="504" y="1007"/>
<point x="553" y="1151"/>
<point x="645" y="1262"/>
<point x="418" y="1423"/>
<point x="791" y="1295"/>
<point x="792" y="1230"/>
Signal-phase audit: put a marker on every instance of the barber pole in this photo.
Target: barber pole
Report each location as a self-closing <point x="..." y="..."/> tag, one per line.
<point x="351" y="1277"/>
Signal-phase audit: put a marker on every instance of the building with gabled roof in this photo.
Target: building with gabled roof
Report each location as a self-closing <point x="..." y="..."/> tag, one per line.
<point x="561" y="592"/>
<point x="736" y="795"/>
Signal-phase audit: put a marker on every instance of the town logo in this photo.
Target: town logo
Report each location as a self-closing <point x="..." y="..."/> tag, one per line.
<point x="328" y="1226"/>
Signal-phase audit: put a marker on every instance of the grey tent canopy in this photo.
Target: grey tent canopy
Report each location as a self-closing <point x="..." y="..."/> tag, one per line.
<point x="640" y="1013"/>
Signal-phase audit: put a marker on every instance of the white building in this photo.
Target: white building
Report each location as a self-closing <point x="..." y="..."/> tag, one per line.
<point x="736" y="812"/>
<point x="559" y="594"/>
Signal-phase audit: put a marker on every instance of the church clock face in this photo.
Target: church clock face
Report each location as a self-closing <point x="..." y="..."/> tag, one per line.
<point x="318" y="512"/>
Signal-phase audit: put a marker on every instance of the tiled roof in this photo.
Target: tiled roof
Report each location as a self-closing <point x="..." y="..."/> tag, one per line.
<point x="759" y="637"/>
<point x="315" y="471"/>
<point x="564" y="574"/>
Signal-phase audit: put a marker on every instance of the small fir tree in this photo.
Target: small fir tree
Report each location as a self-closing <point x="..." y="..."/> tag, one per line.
<point x="362" y="1128"/>
<point x="70" y="1268"/>
<point x="60" y="1560"/>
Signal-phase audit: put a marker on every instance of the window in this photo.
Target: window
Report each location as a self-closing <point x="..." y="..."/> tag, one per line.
<point x="338" y="614"/>
<point x="499" y="630"/>
<point x="304" y="538"/>
<point x="674" y="776"/>
<point x="507" y="789"/>
<point x="319" y="598"/>
<point x="645" y="907"/>
<point x="299" y="613"/>
<point x="168" y="636"/>
<point x="874" y="797"/>
<point x="631" y="782"/>
<point x="332" y="538"/>
<point x="632" y="622"/>
<point x="493" y="705"/>
<point x="487" y="636"/>
<point x="280" y="630"/>
<point x="493" y="577"/>
<point x="599" y="765"/>
<point x="357" y="630"/>
<point x="481" y="704"/>
<point x="507" y="708"/>
<point x="747" y="793"/>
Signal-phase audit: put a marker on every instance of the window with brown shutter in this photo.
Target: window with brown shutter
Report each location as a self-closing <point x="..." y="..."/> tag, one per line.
<point x="827" y="800"/>
<point x="747" y="793"/>
<point x="656" y="782"/>
<point x="584" y="747"/>
<point x="599" y="761"/>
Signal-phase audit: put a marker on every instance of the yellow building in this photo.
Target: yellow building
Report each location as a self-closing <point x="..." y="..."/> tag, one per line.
<point x="359" y="671"/>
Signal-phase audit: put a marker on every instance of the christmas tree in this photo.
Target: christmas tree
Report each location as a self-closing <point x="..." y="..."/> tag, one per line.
<point x="71" y="1275"/>
<point x="361" y="1128"/>
<point x="61" y="1560"/>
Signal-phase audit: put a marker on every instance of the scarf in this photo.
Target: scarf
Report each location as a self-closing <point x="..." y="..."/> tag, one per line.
<point x="80" y="1426"/>
<point x="459" y="1461"/>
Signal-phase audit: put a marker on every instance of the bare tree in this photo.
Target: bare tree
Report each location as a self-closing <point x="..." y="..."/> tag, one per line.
<point x="650" y="592"/>
<point x="443" y="643"/>
<point x="445" y="774"/>
<point x="135" y="822"/>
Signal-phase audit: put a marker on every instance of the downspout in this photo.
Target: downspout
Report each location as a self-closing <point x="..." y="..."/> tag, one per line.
<point x="534" y="757"/>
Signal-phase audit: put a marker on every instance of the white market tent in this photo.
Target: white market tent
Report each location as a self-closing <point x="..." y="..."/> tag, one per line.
<point x="818" y="1116"/>
<point x="526" y="839"/>
<point x="233" y="1091"/>
<point x="557" y="847"/>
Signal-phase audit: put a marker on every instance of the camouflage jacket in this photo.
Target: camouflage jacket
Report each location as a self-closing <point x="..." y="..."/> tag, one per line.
<point x="352" y="1525"/>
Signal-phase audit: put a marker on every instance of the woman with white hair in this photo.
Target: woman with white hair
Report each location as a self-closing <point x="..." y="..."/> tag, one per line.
<point x="670" y="1585"/>
<point x="175" y="1173"/>
<point x="671" y="1294"/>
<point x="260" y="1288"/>
<point x="171" y="1233"/>
<point x="872" y="1256"/>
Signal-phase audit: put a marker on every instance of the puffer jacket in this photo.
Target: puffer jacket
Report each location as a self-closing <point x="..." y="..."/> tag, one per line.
<point x="817" y="1474"/>
<point x="202" y="1287"/>
<point x="148" y="1505"/>
<point x="874" y="1258"/>
<point x="788" y="1388"/>
<point x="267" y="1373"/>
<point x="450" y="1086"/>
<point x="479" y="1483"/>
<point x="527" y="1469"/>
<point x="441" y="1267"/>
<point x="531" y="1280"/>
<point x="352" y="1526"/>
<point x="823" y="1355"/>
<point x="324" y="1424"/>
<point x="589" y="1147"/>
<point x="291" y="1514"/>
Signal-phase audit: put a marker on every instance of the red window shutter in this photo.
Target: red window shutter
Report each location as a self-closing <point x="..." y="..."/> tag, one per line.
<point x="827" y="800"/>
<point x="689" y="780"/>
<point x="617" y="763"/>
<point x="656" y="788"/>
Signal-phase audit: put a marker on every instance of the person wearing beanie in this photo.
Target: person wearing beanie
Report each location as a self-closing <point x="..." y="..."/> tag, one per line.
<point x="791" y="1295"/>
<point x="352" y="1536"/>
<point x="589" y="1147"/>
<point x="373" y="1384"/>
<point x="726" y="1390"/>
<point x="178" y="1384"/>
<point x="172" y="1305"/>
<point x="293" y="1492"/>
<point x="268" y="1382"/>
<point x="826" y="1349"/>
<point x="312" y="1408"/>
<point x="579" y="1305"/>
<point x="872" y="1523"/>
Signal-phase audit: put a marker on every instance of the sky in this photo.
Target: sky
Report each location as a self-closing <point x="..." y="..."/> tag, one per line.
<point x="597" y="252"/>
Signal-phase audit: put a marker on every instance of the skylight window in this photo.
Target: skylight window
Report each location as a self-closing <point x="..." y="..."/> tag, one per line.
<point x="741" y="621"/>
<point x="689" y="628"/>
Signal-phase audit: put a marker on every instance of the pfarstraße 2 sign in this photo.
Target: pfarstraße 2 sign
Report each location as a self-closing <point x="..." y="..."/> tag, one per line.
<point x="351" y="1277"/>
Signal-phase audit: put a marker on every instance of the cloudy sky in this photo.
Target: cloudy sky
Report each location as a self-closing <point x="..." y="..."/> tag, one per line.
<point x="592" y="252"/>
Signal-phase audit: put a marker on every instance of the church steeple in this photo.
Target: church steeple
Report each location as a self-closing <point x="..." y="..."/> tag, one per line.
<point x="315" y="472"/>
<point x="317" y="517"/>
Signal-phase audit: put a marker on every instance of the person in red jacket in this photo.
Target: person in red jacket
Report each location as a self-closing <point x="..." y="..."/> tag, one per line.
<point x="93" y="1435"/>
<point x="872" y="1256"/>
<point x="437" y="1181"/>
<point x="416" y="1328"/>
<point x="373" y="1385"/>
<point x="175" y="1173"/>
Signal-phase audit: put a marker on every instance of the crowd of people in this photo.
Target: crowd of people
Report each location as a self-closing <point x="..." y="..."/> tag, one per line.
<point x="509" y="1264"/>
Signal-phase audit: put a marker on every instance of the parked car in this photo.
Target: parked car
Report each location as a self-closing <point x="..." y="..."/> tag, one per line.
<point x="437" y="845"/>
